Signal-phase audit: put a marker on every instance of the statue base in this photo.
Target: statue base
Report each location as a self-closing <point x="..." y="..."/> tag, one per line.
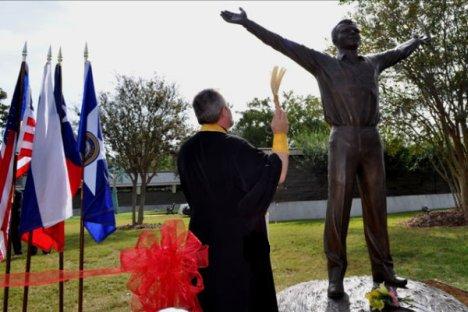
<point x="312" y="297"/>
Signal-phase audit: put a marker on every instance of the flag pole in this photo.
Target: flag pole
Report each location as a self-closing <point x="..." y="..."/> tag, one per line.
<point x="26" y="273"/>
<point x="30" y="238"/>
<point x="6" y="290"/>
<point x="61" y="281"/>
<point x="80" y="284"/>
<point x="61" y="258"/>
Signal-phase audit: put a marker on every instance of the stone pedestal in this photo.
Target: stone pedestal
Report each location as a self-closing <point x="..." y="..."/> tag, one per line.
<point x="312" y="297"/>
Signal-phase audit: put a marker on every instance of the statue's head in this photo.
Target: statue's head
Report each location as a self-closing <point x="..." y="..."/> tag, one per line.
<point x="345" y="35"/>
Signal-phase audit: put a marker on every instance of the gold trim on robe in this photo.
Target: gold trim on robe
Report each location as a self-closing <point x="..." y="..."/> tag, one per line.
<point x="212" y="128"/>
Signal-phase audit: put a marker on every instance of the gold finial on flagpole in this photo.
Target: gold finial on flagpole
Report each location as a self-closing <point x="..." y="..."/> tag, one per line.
<point x="25" y="51"/>
<point x="59" y="56"/>
<point x="86" y="52"/>
<point x="49" y="54"/>
<point x="275" y="82"/>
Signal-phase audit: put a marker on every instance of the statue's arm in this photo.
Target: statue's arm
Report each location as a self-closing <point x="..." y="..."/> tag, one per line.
<point x="308" y="58"/>
<point x="304" y="56"/>
<point x="389" y="58"/>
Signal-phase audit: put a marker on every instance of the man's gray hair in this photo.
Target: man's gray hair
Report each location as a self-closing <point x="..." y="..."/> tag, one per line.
<point x="207" y="105"/>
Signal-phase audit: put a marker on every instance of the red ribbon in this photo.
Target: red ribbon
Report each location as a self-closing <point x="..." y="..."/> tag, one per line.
<point x="164" y="268"/>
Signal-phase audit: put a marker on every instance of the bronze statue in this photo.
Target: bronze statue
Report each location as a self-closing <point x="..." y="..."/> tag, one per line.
<point x="350" y="96"/>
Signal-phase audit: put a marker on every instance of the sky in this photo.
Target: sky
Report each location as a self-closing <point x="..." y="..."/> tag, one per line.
<point x="184" y="42"/>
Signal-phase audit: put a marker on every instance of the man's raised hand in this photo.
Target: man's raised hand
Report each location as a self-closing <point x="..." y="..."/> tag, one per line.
<point x="235" y="18"/>
<point x="279" y="123"/>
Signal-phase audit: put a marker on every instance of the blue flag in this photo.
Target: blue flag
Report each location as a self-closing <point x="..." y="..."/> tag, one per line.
<point x="98" y="211"/>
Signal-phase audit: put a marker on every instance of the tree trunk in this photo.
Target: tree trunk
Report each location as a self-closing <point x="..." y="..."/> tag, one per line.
<point x="141" y="209"/>
<point x="463" y="180"/>
<point x="134" y="200"/>
<point x="458" y="182"/>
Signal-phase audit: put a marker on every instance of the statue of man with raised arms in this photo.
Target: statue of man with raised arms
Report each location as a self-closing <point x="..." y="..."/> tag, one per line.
<point x="350" y="97"/>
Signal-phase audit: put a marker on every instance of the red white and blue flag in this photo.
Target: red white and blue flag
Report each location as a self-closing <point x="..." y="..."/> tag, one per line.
<point x="21" y="99"/>
<point x="47" y="197"/>
<point x="72" y="155"/>
<point x="26" y="140"/>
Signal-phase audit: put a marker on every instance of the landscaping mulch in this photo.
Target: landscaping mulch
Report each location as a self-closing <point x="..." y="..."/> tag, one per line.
<point x="139" y="226"/>
<point x="450" y="217"/>
<point x="458" y="293"/>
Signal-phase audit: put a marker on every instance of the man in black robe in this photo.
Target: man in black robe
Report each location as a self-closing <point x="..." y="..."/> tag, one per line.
<point x="350" y="97"/>
<point x="229" y="185"/>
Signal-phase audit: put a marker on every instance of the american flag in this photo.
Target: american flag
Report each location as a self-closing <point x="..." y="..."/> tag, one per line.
<point x="25" y="141"/>
<point x="21" y="99"/>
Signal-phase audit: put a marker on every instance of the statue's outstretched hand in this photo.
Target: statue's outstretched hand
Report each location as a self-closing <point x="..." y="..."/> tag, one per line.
<point x="235" y="18"/>
<point x="424" y="39"/>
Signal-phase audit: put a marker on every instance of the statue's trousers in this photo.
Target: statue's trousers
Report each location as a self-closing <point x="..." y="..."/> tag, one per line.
<point x="356" y="152"/>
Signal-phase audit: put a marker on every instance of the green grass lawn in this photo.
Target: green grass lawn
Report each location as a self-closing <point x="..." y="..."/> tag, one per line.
<point x="297" y="255"/>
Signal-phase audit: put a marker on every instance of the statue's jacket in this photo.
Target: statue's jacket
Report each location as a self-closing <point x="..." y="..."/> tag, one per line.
<point x="349" y="90"/>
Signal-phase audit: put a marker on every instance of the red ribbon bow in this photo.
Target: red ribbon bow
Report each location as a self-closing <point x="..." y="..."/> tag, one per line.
<point x="164" y="268"/>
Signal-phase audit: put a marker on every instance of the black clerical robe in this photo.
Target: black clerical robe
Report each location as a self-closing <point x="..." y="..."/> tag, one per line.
<point x="229" y="185"/>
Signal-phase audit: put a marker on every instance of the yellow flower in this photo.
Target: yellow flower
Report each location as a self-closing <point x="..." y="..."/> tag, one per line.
<point x="378" y="304"/>
<point x="376" y="297"/>
<point x="374" y="294"/>
<point x="383" y="290"/>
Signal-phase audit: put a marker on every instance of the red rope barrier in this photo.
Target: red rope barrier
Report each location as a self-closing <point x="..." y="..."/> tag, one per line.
<point x="23" y="279"/>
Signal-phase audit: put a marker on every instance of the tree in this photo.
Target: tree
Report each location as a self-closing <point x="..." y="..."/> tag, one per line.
<point x="425" y="97"/>
<point x="3" y="109"/>
<point x="254" y="123"/>
<point x="144" y="122"/>
<point x="305" y="116"/>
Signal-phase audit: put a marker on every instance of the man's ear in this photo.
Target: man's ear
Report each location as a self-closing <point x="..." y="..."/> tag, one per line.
<point x="224" y="112"/>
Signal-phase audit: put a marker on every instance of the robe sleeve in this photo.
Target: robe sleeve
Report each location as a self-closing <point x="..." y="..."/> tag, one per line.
<point x="257" y="174"/>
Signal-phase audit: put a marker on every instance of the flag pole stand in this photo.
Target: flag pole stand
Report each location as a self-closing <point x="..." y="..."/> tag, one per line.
<point x="6" y="290"/>
<point x="26" y="271"/>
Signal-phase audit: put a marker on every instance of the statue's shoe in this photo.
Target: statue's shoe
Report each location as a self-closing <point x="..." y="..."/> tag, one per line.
<point x="335" y="290"/>
<point x="397" y="282"/>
